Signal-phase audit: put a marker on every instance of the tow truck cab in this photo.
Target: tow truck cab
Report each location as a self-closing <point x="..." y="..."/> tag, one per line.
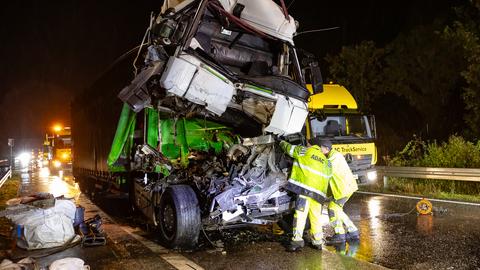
<point x="334" y="115"/>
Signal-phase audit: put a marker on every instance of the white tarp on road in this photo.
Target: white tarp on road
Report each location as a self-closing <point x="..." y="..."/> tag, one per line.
<point x="45" y="228"/>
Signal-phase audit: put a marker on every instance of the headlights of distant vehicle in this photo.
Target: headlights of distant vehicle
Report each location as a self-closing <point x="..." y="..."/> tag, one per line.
<point x="24" y="158"/>
<point x="57" y="164"/>
<point x="372" y="176"/>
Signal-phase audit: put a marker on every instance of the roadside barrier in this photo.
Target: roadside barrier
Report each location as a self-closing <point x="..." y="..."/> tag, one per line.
<point x="5" y="175"/>
<point x="453" y="174"/>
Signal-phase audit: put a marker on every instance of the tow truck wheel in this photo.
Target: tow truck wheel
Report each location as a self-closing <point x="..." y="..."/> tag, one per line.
<point x="178" y="217"/>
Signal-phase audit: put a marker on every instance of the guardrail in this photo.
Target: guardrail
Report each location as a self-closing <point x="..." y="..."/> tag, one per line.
<point x="6" y="175"/>
<point x="454" y="174"/>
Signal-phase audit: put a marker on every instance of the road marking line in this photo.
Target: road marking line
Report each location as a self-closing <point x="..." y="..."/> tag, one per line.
<point x="175" y="259"/>
<point x="416" y="198"/>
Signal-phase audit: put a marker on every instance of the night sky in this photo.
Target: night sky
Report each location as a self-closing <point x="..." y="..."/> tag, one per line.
<point x="51" y="50"/>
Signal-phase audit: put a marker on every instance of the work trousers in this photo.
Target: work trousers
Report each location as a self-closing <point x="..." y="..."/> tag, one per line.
<point x="338" y="218"/>
<point x="308" y="207"/>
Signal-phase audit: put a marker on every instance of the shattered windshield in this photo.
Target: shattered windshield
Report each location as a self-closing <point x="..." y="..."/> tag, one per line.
<point x="342" y="126"/>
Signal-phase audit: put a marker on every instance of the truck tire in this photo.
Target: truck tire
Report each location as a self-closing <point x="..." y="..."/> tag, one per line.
<point x="179" y="217"/>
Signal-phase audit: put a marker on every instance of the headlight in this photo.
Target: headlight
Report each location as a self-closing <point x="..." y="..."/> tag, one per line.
<point x="372" y="176"/>
<point x="65" y="156"/>
<point x="57" y="164"/>
<point x="24" y="158"/>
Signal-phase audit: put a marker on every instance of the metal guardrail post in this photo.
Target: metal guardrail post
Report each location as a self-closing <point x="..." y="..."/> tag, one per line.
<point x="385" y="181"/>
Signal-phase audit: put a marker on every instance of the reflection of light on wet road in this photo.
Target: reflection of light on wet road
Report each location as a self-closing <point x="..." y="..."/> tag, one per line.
<point x="58" y="186"/>
<point x="44" y="172"/>
<point x="42" y="180"/>
<point x="374" y="209"/>
<point x="371" y="231"/>
<point x="425" y="224"/>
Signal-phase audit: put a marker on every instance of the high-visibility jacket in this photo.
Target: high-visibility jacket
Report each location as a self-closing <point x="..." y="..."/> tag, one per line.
<point x="311" y="171"/>
<point x="342" y="182"/>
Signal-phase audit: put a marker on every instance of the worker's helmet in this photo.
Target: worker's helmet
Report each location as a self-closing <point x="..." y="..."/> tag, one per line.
<point x="315" y="141"/>
<point x="326" y="143"/>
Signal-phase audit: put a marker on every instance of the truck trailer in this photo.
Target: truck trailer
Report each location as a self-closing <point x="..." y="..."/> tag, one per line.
<point x="192" y="136"/>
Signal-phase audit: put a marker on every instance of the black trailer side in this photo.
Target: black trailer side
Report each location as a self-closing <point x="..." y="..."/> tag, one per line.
<point x="94" y="120"/>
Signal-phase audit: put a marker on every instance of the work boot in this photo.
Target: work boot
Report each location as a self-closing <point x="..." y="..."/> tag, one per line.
<point x="336" y="239"/>
<point x="294" y="246"/>
<point x="316" y="246"/>
<point x="353" y="236"/>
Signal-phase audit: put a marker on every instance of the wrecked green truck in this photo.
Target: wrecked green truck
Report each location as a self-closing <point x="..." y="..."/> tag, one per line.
<point x="191" y="137"/>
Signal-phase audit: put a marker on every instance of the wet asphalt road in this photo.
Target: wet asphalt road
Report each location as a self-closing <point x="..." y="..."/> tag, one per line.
<point x="392" y="236"/>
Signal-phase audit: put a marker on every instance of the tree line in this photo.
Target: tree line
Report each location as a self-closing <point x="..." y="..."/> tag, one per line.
<point x="424" y="82"/>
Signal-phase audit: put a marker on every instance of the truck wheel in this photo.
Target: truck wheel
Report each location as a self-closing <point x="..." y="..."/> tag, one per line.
<point x="179" y="217"/>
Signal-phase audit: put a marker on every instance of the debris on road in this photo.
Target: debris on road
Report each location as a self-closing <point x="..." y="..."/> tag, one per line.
<point x="92" y="232"/>
<point x="69" y="263"/>
<point x="23" y="264"/>
<point x="42" y="221"/>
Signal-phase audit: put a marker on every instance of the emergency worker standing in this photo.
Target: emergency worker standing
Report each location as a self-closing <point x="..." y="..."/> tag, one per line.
<point x="309" y="178"/>
<point x="342" y="186"/>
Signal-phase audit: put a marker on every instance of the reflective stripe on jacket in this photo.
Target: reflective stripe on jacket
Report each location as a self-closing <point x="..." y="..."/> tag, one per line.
<point x="342" y="182"/>
<point x="311" y="171"/>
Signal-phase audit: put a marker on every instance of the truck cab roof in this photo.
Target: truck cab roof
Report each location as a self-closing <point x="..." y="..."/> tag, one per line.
<point x="334" y="96"/>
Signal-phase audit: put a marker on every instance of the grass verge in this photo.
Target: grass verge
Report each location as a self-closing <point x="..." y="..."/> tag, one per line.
<point x="8" y="191"/>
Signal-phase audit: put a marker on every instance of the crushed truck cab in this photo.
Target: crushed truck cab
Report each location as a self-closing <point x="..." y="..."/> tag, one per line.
<point x="195" y="143"/>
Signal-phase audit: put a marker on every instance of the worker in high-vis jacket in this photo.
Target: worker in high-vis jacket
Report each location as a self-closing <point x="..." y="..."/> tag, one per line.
<point x="342" y="186"/>
<point x="309" y="180"/>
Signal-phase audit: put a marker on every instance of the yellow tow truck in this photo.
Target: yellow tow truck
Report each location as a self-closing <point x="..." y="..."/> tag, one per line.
<point x="334" y="114"/>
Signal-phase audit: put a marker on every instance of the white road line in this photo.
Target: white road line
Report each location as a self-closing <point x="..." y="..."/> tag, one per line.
<point x="175" y="259"/>
<point x="416" y="198"/>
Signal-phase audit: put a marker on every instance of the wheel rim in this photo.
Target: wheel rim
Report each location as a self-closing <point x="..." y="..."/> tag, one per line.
<point x="168" y="220"/>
